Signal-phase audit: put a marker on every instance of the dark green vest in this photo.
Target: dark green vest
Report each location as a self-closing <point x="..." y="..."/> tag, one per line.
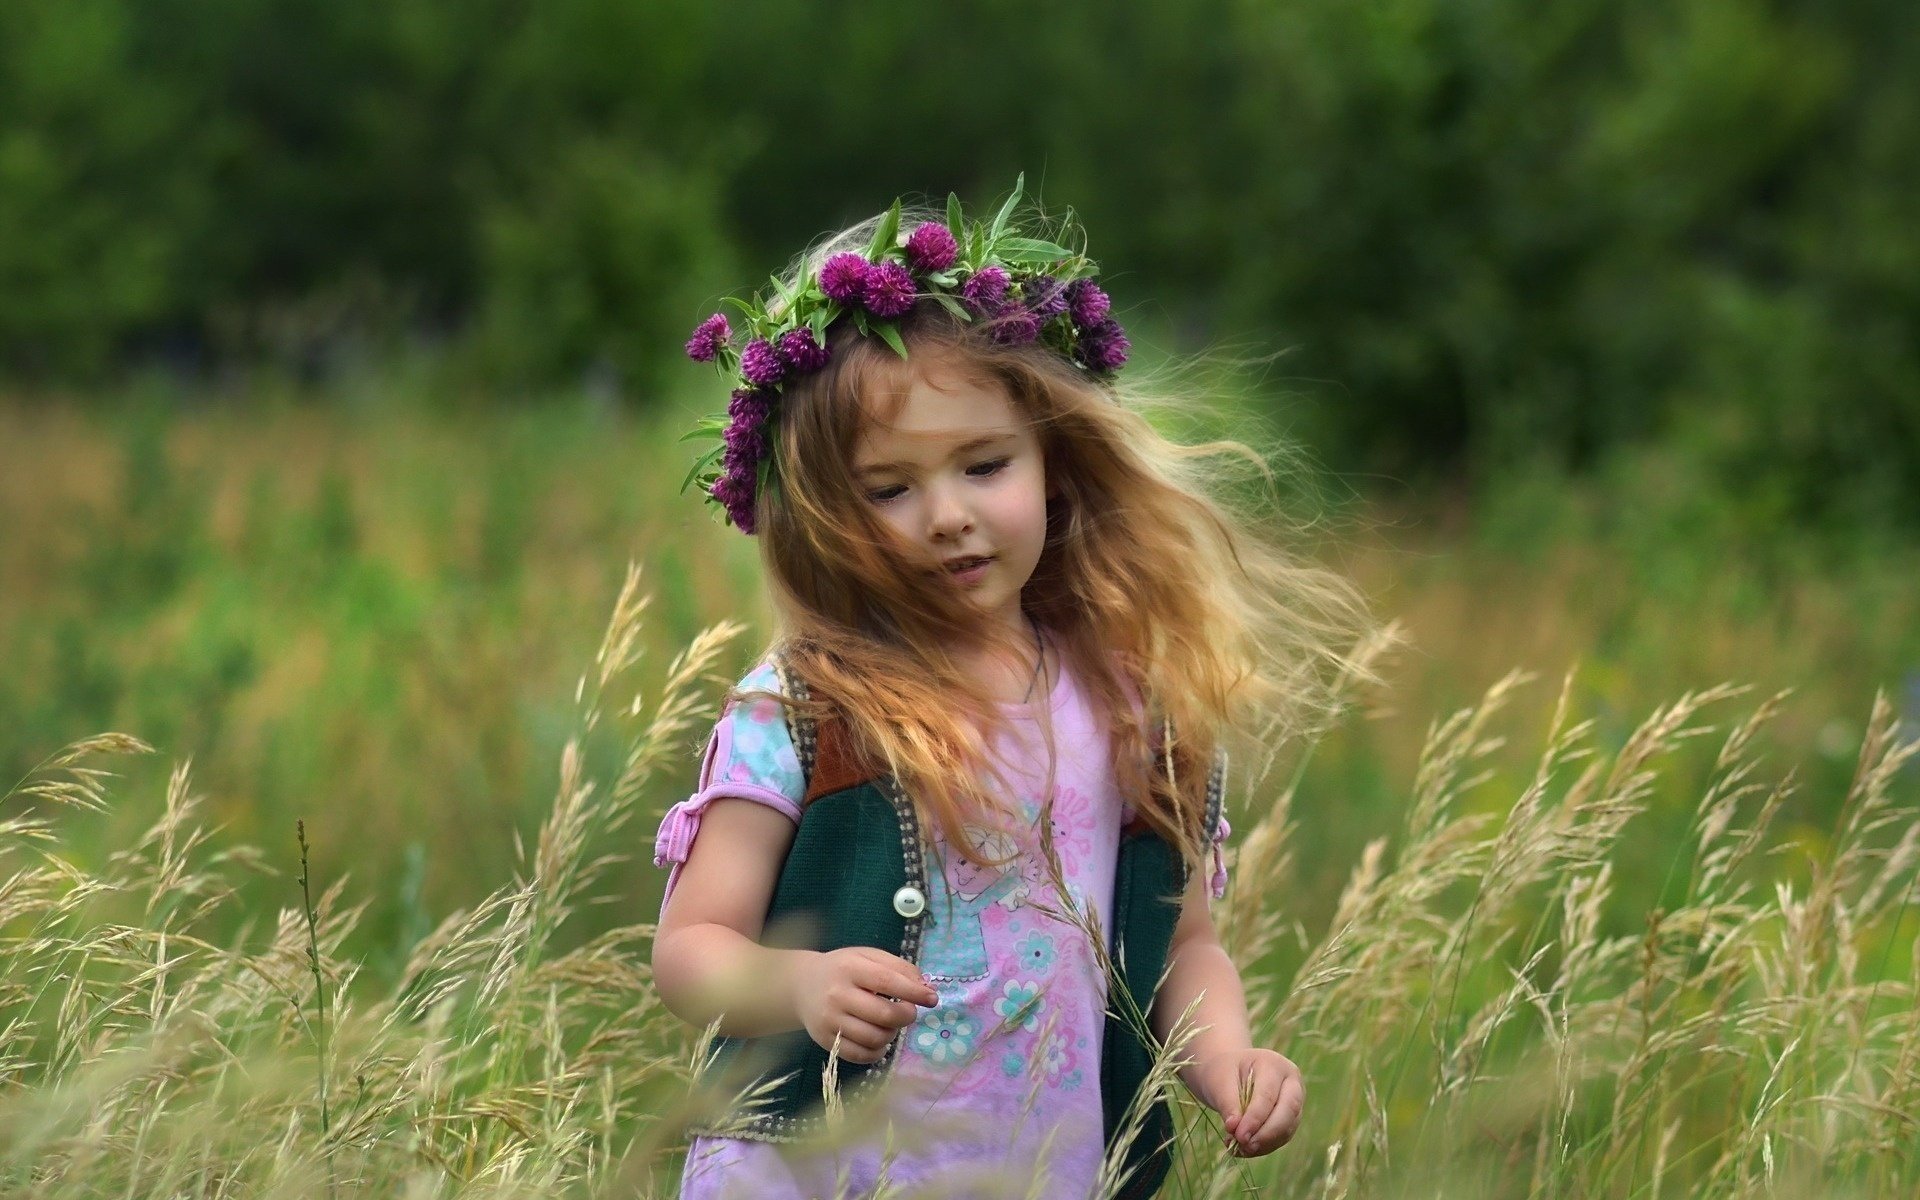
<point x="857" y="845"/>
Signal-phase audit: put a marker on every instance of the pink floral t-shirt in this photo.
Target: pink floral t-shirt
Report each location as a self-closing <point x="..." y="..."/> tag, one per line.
<point x="1001" y="1080"/>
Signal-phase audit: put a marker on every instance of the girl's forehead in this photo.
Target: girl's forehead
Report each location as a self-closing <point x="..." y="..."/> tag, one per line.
<point x="933" y="402"/>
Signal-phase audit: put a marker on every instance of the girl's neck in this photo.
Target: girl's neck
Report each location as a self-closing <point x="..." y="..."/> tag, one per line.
<point x="1028" y="680"/>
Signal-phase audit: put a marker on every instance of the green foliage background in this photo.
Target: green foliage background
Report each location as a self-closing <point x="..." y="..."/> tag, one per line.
<point x="1488" y="233"/>
<point x="340" y="371"/>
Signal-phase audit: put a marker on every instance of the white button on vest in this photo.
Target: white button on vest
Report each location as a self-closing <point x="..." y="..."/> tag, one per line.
<point x="909" y="902"/>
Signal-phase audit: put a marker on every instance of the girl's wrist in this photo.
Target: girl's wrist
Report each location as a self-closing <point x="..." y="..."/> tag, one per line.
<point x="751" y="989"/>
<point x="1214" y="1076"/>
<point x="786" y="975"/>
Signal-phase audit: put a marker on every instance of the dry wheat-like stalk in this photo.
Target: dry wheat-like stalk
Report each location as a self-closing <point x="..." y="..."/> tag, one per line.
<point x="151" y="1059"/>
<point x="1491" y="1011"/>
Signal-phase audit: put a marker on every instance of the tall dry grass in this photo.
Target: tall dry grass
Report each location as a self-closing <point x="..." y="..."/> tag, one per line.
<point x="1467" y="1022"/>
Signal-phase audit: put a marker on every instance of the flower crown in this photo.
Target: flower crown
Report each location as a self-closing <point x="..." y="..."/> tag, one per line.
<point x="1022" y="288"/>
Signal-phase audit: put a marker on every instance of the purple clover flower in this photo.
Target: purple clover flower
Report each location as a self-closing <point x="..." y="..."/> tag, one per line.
<point x="801" y="352"/>
<point x="931" y="247"/>
<point x="746" y="444"/>
<point x="844" y="277"/>
<point x="985" y="290"/>
<point x="1045" y="295"/>
<point x="734" y="491"/>
<point x="749" y="406"/>
<point x="1015" y="325"/>
<point x="748" y="410"/>
<point x="708" y="337"/>
<point x="1103" y="347"/>
<point x="746" y="440"/>
<point x="889" y="290"/>
<point x="1087" y="302"/>
<point x="760" y="363"/>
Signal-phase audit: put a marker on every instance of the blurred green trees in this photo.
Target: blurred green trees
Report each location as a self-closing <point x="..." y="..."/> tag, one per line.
<point x="1488" y="231"/>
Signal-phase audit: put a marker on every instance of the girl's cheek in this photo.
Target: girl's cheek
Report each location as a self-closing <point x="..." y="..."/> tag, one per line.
<point x="897" y="516"/>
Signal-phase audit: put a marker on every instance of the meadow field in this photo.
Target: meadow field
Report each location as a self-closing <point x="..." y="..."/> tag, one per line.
<point x="1609" y="891"/>
<point x="355" y="635"/>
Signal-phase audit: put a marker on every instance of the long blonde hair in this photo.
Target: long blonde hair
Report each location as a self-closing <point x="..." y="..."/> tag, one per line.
<point x="1160" y="593"/>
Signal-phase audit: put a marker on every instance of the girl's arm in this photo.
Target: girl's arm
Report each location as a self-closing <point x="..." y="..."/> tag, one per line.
<point x="1257" y="1092"/>
<point x="707" y="958"/>
<point x="1197" y="964"/>
<point x="708" y="961"/>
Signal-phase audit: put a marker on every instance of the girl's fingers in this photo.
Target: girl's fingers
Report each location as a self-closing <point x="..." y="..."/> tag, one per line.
<point x="1293" y="1101"/>
<point x="915" y="990"/>
<point x="1261" y="1095"/>
<point x="1279" y="1127"/>
<point x="893" y="966"/>
<point x="890" y="976"/>
<point x="862" y="1041"/>
<point x="1282" y="1122"/>
<point x="880" y="1011"/>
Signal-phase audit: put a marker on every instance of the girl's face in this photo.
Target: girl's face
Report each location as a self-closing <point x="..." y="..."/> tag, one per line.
<point x="957" y="473"/>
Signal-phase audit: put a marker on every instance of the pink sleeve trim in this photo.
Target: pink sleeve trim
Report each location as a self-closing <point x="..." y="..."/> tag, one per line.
<point x="1217" y="886"/>
<point x="677" y="829"/>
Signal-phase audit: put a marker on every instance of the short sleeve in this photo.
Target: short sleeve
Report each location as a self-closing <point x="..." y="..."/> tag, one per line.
<point x="750" y="756"/>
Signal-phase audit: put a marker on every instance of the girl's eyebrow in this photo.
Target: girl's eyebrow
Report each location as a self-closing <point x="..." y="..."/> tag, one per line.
<point x="962" y="448"/>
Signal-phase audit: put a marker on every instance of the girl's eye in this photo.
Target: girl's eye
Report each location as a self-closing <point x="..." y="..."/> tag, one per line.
<point x="979" y="470"/>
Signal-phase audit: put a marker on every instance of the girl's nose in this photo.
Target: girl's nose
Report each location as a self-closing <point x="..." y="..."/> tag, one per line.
<point x="947" y="514"/>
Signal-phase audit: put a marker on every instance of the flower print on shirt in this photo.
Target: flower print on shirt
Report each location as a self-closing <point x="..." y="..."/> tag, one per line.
<point x="1050" y="1057"/>
<point x="952" y="946"/>
<point x="1035" y="952"/>
<point x="1020" y="1004"/>
<point x="1055" y="1060"/>
<point x="944" y="1035"/>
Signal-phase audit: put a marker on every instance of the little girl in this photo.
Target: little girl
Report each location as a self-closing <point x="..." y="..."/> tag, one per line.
<point x="947" y="874"/>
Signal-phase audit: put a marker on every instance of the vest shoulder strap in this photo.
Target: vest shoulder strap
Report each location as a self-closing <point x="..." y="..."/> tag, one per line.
<point x="1216" y="776"/>
<point x="828" y="762"/>
<point x="1216" y="789"/>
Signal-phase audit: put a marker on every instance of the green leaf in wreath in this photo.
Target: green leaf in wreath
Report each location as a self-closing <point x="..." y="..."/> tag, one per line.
<point x="891" y="336"/>
<point x="1030" y="250"/>
<point x="887" y="233"/>
<point x="704" y="428"/>
<point x="700" y="464"/>
<point x="953" y="306"/>
<point x="1006" y="210"/>
<point x="766" y="478"/>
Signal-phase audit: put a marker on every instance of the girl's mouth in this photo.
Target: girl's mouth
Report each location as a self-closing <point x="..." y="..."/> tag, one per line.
<point x="968" y="570"/>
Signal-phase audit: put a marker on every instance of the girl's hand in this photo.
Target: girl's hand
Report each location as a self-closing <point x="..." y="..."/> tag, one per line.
<point x="1258" y="1093"/>
<point x="847" y="992"/>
